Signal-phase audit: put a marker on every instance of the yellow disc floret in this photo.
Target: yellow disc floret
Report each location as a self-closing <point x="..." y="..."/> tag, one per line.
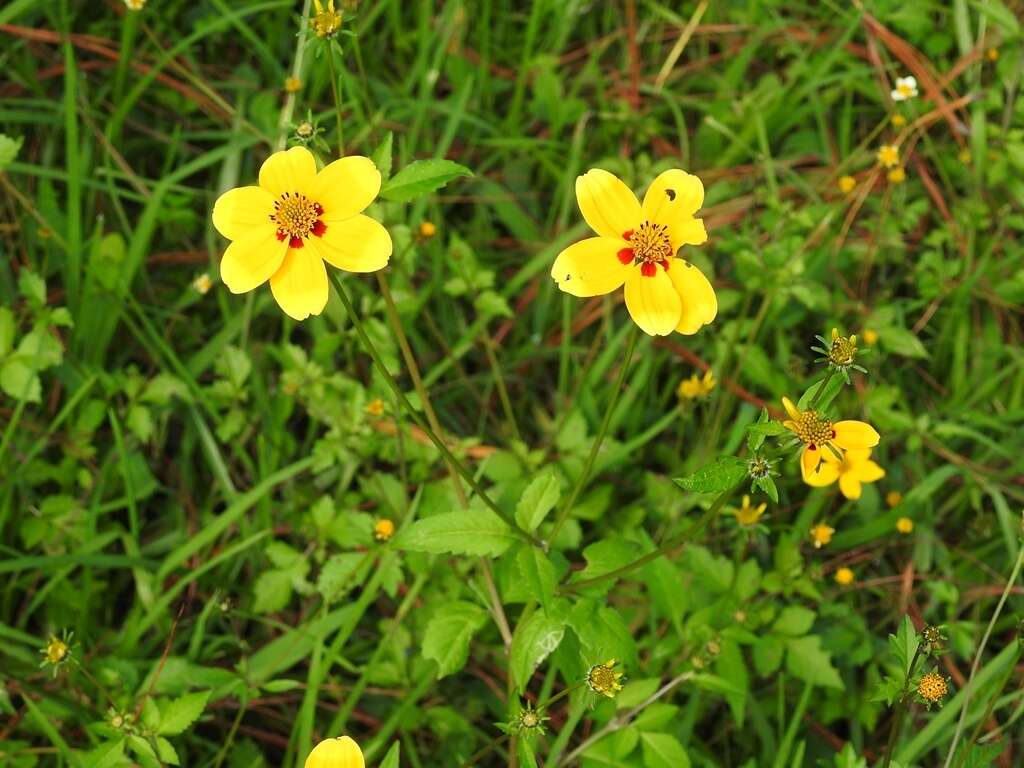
<point x="603" y="679"/>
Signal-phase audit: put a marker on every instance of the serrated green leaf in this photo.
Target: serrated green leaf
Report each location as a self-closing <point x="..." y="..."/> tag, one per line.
<point x="539" y="498"/>
<point x="663" y="750"/>
<point x="448" y="634"/>
<point x="807" y="660"/>
<point x="539" y="574"/>
<point x="381" y="157"/>
<point x="833" y="387"/>
<point x="336" y="573"/>
<point x="9" y="147"/>
<point x="166" y="752"/>
<point x="470" y="532"/>
<point x="179" y="714"/>
<point x="273" y="590"/>
<point x="32" y="287"/>
<point x="420" y="178"/>
<point x="795" y="620"/>
<point x="904" y="644"/>
<point x="19" y="381"/>
<point x="725" y="473"/>
<point x="534" y="640"/>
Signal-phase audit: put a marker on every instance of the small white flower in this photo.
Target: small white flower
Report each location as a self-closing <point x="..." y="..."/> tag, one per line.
<point x="202" y="284"/>
<point x="906" y="88"/>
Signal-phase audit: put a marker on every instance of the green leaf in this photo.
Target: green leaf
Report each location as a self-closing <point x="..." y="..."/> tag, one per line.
<point x="391" y="758"/>
<point x="177" y="716"/>
<point x="794" y="621"/>
<point x="903" y="342"/>
<point x="448" y="633"/>
<point x="539" y="498"/>
<point x="534" y="640"/>
<point x="336" y="572"/>
<point x="9" y="149"/>
<point x="768" y="429"/>
<point x="381" y="157"/>
<point x="19" y="381"/>
<point x="7" y="327"/>
<point x="32" y="287"/>
<point x="166" y="752"/>
<point x="807" y="660"/>
<point x="904" y="644"/>
<point x="273" y="590"/>
<point x="833" y="387"/>
<point x="144" y="751"/>
<point x="539" y="574"/>
<point x="526" y="757"/>
<point x="420" y="178"/>
<point x="470" y="532"/>
<point x="663" y="750"/>
<point x="724" y="474"/>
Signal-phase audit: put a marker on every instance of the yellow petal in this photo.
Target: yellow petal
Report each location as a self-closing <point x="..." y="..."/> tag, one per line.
<point x="292" y="170"/>
<point x="250" y="261"/>
<point x="241" y="210"/>
<point x="792" y="410"/>
<point x="609" y="206"/>
<point x="345" y="187"/>
<point x="826" y="474"/>
<point x="854" y="434"/>
<point x="672" y="199"/>
<point x="336" y="753"/>
<point x="688" y="232"/>
<point x="868" y="472"/>
<point x="810" y="460"/>
<point x="300" y="285"/>
<point x="653" y="302"/>
<point x="356" y="244"/>
<point x="590" y="267"/>
<point x="849" y="486"/>
<point x="700" y="305"/>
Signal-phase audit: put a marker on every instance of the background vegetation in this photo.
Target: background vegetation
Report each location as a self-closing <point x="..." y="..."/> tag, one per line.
<point x="189" y="481"/>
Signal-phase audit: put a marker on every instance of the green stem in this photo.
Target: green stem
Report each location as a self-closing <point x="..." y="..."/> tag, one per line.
<point x="821" y="389"/>
<point x="378" y="362"/>
<point x="581" y="481"/>
<point x="337" y="98"/>
<point x="901" y="708"/>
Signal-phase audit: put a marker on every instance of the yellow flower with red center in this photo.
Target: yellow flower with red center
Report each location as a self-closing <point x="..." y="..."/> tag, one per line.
<point x="855" y="468"/>
<point x="336" y="753"/>
<point x="748" y="514"/>
<point x="637" y="246"/>
<point x="821" y="534"/>
<point x="821" y="436"/>
<point x="889" y="155"/>
<point x="844" y="577"/>
<point x="296" y="219"/>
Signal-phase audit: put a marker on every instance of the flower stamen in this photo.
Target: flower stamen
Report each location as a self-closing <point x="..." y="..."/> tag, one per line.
<point x="649" y="246"/>
<point x="297" y="217"/>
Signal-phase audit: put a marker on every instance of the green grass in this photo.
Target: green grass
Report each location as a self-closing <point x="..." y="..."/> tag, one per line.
<point x="189" y="481"/>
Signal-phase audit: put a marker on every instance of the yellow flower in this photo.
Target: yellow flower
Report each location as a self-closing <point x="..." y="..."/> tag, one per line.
<point x="853" y="469"/>
<point x="847" y="184"/>
<point x="897" y="176"/>
<point x="292" y="84"/>
<point x="992" y="54"/>
<point x="820" y="436"/>
<point x="905" y="525"/>
<point x="964" y="156"/>
<point x="889" y="155"/>
<point x="899" y="120"/>
<point x="692" y="388"/>
<point x="636" y="246"/>
<point x="844" y="577"/>
<point x="56" y="650"/>
<point x="296" y="219"/>
<point x="375" y="407"/>
<point x="747" y="514"/>
<point x="202" y="284"/>
<point x="870" y="336"/>
<point x="822" y="534"/>
<point x="932" y="687"/>
<point x="604" y="680"/>
<point x="906" y="88"/>
<point x="336" y="753"/>
<point x="843" y="350"/>
<point x="326" y="21"/>
<point x="427" y="229"/>
<point x="384" y="529"/>
<point x="135" y="5"/>
<point x="893" y="498"/>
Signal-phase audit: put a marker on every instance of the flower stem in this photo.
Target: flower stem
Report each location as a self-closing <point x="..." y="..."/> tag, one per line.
<point x="901" y="708"/>
<point x="581" y="481"/>
<point x="821" y="389"/>
<point x="420" y="422"/>
<point x="337" y="98"/>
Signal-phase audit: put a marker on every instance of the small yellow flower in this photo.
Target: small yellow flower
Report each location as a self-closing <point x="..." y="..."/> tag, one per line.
<point x="932" y="687"/>
<point x="375" y="407"/>
<point x="747" y="514"/>
<point x="384" y="529"/>
<point x="893" y="498"/>
<point x="905" y="525"/>
<point x="693" y="388"/>
<point x="135" y="5"/>
<point x="336" y="753"/>
<point x="56" y="650"/>
<point x="870" y="336"/>
<point x="906" y="88"/>
<point x="855" y="468"/>
<point x="843" y="350"/>
<point x="822" y="534"/>
<point x="899" y="120"/>
<point x="847" y="184"/>
<point x="604" y="680"/>
<point x="304" y="130"/>
<point x="427" y="230"/>
<point x="202" y="284"/>
<point x="292" y="84"/>
<point x="820" y="436"/>
<point x="897" y="175"/>
<point x="285" y="229"/>
<point x="637" y="246"/>
<point x="844" y="577"/>
<point x="992" y="54"/>
<point x="964" y="156"/>
<point x="889" y="155"/>
<point x="326" y="21"/>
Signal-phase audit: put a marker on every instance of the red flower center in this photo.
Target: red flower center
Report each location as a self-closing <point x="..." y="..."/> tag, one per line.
<point x="297" y="217"/>
<point x="649" y="246"/>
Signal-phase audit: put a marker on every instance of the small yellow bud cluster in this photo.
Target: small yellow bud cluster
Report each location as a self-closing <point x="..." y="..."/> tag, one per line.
<point x="603" y="679"/>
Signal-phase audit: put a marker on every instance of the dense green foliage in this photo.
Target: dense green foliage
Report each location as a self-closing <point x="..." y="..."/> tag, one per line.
<point x="190" y="480"/>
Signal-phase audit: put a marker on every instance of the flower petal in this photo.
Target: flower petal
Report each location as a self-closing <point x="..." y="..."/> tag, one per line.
<point x="700" y="305"/>
<point x="590" y="267"/>
<point x="791" y="409"/>
<point x="868" y="472"/>
<point x="609" y="206"/>
<point x="356" y="244"/>
<point x="672" y="199"/>
<point x="241" y="210"/>
<point x="653" y="302"/>
<point x="810" y="460"/>
<point x="849" y="486"/>
<point x="854" y="434"/>
<point x="826" y="474"/>
<point x="300" y="285"/>
<point x="345" y="187"/>
<point x="251" y="260"/>
<point x="292" y="170"/>
<point x="688" y="232"/>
